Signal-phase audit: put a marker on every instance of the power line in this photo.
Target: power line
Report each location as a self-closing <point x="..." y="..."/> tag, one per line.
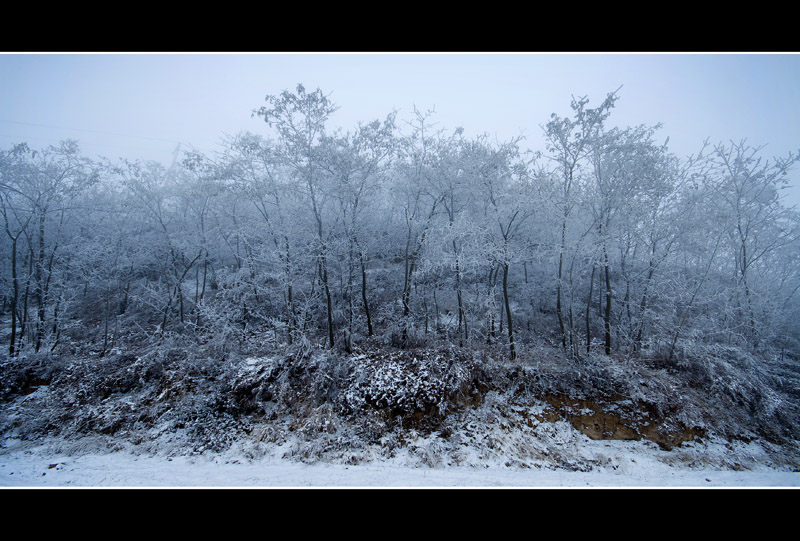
<point x="101" y="132"/>
<point x="128" y="149"/>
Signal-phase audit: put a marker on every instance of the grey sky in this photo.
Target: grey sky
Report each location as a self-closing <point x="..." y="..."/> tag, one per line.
<point x="143" y="105"/>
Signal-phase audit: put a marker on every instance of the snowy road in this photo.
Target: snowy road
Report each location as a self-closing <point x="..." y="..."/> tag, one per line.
<point x="37" y="469"/>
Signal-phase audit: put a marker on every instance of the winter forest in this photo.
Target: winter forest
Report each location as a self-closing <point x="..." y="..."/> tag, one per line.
<point x="347" y="288"/>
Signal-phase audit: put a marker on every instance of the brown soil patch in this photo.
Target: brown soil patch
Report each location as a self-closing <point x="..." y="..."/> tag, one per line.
<point x="616" y="420"/>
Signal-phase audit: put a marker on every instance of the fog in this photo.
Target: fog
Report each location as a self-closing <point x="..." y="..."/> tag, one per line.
<point x="145" y="105"/>
<point x="447" y="260"/>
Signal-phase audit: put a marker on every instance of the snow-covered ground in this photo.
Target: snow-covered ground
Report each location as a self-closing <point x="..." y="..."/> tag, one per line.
<point x="628" y="464"/>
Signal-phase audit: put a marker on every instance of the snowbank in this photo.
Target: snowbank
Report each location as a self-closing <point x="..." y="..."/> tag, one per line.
<point x="628" y="464"/>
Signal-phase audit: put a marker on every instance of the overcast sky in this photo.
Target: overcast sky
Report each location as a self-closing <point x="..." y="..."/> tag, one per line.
<point x="144" y="105"/>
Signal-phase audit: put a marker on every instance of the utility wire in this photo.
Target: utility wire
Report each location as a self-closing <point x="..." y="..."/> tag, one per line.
<point x="101" y="132"/>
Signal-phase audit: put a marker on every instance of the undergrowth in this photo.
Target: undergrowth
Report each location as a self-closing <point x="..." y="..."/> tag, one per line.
<point x="435" y="406"/>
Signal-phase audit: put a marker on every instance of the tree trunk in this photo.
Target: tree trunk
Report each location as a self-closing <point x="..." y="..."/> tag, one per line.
<point x="588" y="312"/>
<point x="350" y="288"/>
<point x="364" y="292"/>
<point x="559" y="310"/>
<point x="490" y="334"/>
<point x="105" y="325"/>
<point x="25" y="297"/>
<point x="407" y="301"/>
<point x="435" y="309"/>
<point x="14" y="295"/>
<point x="512" y="349"/>
<point x="39" y="290"/>
<point x="461" y="318"/>
<point x="287" y="273"/>
<point x="328" y="300"/>
<point x="637" y="341"/>
<point x="607" y="314"/>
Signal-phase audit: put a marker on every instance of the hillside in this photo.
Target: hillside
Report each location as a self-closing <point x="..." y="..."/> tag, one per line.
<point x="432" y="407"/>
<point x="401" y="290"/>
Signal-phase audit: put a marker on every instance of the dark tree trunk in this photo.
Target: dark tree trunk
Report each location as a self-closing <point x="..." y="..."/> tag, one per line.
<point x="328" y="299"/>
<point x="364" y="292"/>
<point x="512" y="348"/>
<point x="39" y="290"/>
<point x="588" y="313"/>
<point x="490" y="333"/>
<point x="559" y="309"/>
<point x="637" y="341"/>
<point x="607" y="314"/>
<point x="14" y="295"/>
<point x="462" y="320"/>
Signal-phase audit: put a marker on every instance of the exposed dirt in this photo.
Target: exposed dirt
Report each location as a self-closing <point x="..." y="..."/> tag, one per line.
<point x="616" y="421"/>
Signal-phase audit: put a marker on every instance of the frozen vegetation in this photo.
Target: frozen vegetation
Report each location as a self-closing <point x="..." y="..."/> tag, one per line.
<point x="401" y="306"/>
<point x="440" y="417"/>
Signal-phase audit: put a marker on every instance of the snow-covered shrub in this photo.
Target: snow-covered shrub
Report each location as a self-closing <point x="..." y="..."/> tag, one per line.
<point x="304" y="381"/>
<point x="741" y="393"/>
<point x="133" y="397"/>
<point x="410" y="382"/>
<point x="297" y="381"/>
<point x="253" y="383"/>
<point x="321" y="419"/>
<point x="23" y="375"/>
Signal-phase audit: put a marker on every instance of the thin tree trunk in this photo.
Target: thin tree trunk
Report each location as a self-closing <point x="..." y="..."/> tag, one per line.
<point x="511" y="346"/>
<point x="350" y="280"/>
<point x="364" y="292"/>
<point x="25" y="297"/>
<point x="166" y="312"/>
<point x="607" y="315"/>
<point x="490" y="334"/>
<point x="14" y="295"/>
<point x="180" y="303"/>
<point x="407" y="300"/>
<point x="436" y="309"/>
<point x="328" y="299"/>
<point x="462" y="321"/>
<point x="589" y="311"/>
<point x="287" y="272"/>
<point x="685" y="315"/>
<point x="105" y="327"/>
<point x="39" y="291"/>
<point x="637" y="341"/>
<point x="559" y="310"/>
<point x="425" y="310"/>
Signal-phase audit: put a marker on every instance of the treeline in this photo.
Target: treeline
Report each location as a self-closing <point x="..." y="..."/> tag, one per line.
<point x="403" y="233"/>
